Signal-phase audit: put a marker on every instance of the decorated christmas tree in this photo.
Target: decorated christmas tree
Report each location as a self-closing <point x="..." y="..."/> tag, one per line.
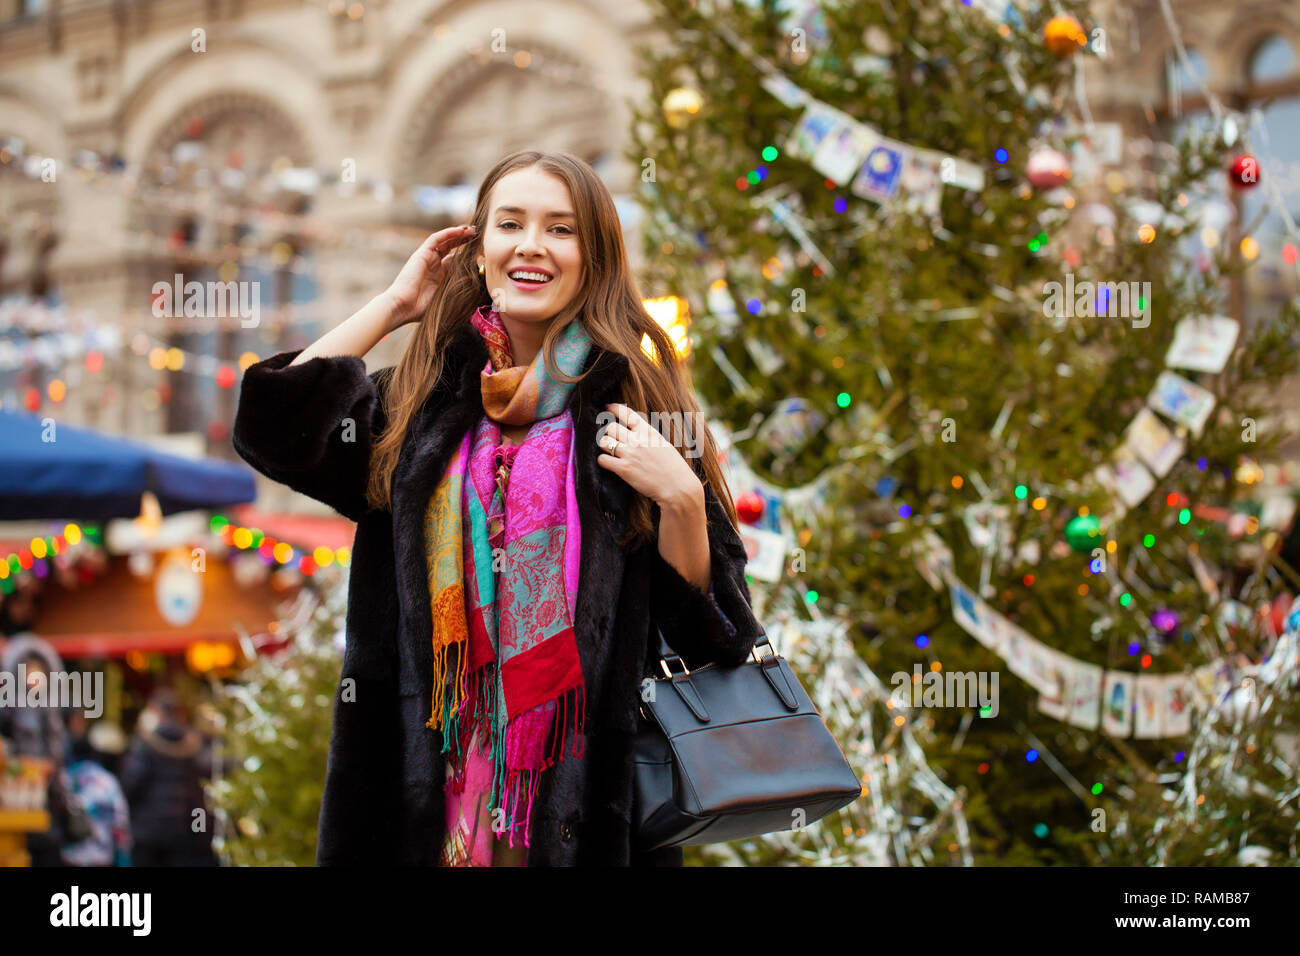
<point x="994" y="411"/>
<point x="277" y="719"/>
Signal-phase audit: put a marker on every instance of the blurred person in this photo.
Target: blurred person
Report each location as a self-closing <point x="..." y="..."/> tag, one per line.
<point x="98" y="790"/>
<point x="162" y="776"/>
<point x="41" y="732"/>
<point x="526" y="359"/>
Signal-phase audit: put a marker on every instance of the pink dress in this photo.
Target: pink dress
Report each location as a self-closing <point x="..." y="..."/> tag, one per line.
<point x="470" y="840"/>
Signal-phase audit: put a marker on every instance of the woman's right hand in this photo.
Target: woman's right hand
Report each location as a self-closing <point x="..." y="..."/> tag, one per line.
<point x="412" y="290"/>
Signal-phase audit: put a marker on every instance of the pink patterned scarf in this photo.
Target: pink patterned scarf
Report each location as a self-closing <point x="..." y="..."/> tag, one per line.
<point x="503" y="559"/>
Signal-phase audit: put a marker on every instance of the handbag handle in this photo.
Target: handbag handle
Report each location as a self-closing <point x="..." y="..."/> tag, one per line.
<point x="666" y="653"/>
<point x="681" y="681"/>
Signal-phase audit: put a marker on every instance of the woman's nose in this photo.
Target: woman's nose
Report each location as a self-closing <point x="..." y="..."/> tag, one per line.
<point x="529" y="243"/>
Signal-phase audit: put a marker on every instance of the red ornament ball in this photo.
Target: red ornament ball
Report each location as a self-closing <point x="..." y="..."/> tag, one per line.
<point x="1047" y="168"/>
<point x="225" y="376"/>
<point x="1244" y="171"/>
<point x="217" y="431"/>
<point x="749" y="507"/>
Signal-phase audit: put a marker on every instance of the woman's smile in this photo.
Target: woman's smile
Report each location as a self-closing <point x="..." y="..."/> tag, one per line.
<point x="529" y="279"/>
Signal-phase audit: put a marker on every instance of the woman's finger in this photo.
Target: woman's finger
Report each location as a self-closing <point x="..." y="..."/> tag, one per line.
<point x="612" y="463"/>
<point x="433" y="242"/>
<point x="634" y="421"/>
<point x="618" y="432"/>
<point x="622" y="413"/>
<point x="446" y="240"/>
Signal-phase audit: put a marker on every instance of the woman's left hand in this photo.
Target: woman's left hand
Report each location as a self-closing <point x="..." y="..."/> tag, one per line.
<point x="645" y="459"/>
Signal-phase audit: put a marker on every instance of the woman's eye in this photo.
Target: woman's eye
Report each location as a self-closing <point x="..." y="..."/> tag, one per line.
<point x="511" y="223"/>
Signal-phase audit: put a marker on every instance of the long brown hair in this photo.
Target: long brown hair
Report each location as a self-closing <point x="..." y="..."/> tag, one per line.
<point x="610" y="306"/>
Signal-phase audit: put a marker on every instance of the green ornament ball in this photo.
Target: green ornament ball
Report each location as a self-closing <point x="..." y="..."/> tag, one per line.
<point x="1083" y="533"/>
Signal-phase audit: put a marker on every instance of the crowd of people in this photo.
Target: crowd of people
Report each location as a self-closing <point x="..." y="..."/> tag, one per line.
<point x="113" y="802"/>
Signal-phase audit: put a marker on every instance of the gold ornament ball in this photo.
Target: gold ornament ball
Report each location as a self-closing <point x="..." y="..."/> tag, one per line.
<point x="1064" y="35"/>
<point x="681" y="105"/>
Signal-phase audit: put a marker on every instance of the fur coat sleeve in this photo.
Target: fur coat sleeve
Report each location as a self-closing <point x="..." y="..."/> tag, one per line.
<point x="309" y="426"/>
<point x="695" y="626"/>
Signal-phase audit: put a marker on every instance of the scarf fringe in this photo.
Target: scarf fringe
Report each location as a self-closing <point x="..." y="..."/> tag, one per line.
<point x="450" y="631"/>
<point x="519" y="759"/>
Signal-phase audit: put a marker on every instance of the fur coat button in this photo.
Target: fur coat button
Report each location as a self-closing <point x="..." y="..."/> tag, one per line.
<point x="566" y="832"/>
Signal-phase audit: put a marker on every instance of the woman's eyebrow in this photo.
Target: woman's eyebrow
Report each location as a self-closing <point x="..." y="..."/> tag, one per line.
<point x="553" y="214"/>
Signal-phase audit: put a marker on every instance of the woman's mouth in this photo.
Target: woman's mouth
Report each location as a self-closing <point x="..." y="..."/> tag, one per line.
<point x="528" y="279"/>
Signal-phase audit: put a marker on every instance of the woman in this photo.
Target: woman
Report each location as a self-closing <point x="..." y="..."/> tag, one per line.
<point x="511" y="556"/>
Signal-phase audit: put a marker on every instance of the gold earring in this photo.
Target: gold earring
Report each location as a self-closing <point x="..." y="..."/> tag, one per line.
<point x="481" y="269"/>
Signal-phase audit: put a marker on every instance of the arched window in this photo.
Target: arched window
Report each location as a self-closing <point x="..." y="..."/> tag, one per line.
<point x="1273" y="59"/>
<point x="229" y="146"/>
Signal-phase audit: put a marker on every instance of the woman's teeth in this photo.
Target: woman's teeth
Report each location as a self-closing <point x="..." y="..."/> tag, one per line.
<point x="530" y="277"/>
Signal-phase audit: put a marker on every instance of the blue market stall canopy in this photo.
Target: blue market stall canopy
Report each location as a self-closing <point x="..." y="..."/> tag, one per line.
<point x="87" y="474"/>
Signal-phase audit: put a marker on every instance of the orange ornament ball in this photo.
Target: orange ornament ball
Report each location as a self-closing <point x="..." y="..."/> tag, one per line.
<point x="1064" y="35"/>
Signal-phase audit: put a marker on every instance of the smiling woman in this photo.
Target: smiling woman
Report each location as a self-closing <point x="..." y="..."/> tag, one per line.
<point x="523" y="533"/>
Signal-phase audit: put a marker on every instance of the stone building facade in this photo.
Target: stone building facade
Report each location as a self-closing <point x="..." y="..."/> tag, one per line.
<point x="313" y="124"/>
<point x="317" y="123"/>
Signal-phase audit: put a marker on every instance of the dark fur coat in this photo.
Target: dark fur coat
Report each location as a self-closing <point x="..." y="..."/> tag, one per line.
<point x="383" y="799"/>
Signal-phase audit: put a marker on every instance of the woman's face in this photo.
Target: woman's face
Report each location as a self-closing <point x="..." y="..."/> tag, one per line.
<point x="531" y="227"/>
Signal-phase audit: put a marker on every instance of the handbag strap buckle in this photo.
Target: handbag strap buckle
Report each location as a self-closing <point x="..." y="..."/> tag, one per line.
<point x="663" y="662"/>
<point x="759" y="657"/>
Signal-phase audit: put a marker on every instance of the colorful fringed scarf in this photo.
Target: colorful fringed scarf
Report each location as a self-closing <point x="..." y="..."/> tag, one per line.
<point x="503" y="560"/>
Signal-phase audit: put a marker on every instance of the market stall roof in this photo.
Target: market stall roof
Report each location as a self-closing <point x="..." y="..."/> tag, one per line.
<point x="67" y="472"/>
<point x="305" y="531"/>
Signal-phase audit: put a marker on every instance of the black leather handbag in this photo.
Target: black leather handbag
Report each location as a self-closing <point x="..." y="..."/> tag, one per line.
<point x="729" y="752"/>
